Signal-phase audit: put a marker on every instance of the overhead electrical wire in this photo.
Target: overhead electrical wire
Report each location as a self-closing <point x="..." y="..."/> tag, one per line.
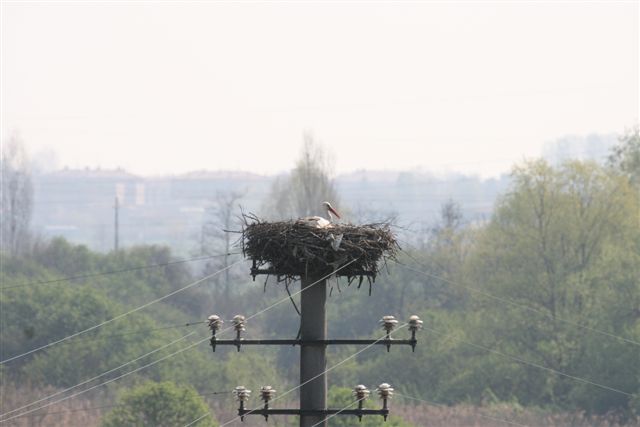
<point x="141" y="331"/>
<point x="137" y="332"/>
<point x="484" y="348"/>
<point x="535" y="365"/>
<point x="124" y="270"/>
<point x="520" y="360"/>
<point x="198" y="419"/>
<point x="337" y="413"/>
<point x="511" y="302"/>
<point x="202" y="258"/>
<point x="98" y="376"/>
<point x="190" y="285"/>
<point x="489" y="417"/>
<point x="330" y="369"/>
<point x="169" y="355"/>
<point x="106" y="382"/>
<point x="368" y="346"/>
<point x="119" y="405"/>
<point x="144" y="331"/>
<point x="353" y="355"/>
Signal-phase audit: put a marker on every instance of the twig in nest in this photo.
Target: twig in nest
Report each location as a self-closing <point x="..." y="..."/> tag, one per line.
<point x="291" y="249"/>
<point x="286" y="286"/>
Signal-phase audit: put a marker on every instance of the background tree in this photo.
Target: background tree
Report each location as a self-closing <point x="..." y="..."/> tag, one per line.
<point x="625" y="156"/>
<point x="444" y="254"/>
<point x="309" y="184"/>
<point x="158" y="405"/>
<point x="556" y="243"/>
<point x="17" y="196"/>
<point x="222" y="217"/>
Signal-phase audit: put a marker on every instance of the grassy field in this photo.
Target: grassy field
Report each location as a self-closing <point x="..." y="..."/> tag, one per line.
<point x="84" y="412"/>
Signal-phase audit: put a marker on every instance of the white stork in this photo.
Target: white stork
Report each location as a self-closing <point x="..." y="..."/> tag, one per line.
<point x="320" y="222"/>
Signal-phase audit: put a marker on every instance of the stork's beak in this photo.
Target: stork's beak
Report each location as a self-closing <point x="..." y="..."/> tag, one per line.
<point x="333" y="211"/>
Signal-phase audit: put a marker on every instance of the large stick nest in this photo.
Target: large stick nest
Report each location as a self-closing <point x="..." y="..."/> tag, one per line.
<point x="293" y="249"/>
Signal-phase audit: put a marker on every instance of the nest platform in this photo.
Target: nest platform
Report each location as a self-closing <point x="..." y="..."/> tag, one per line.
<point x="290" y="250"/>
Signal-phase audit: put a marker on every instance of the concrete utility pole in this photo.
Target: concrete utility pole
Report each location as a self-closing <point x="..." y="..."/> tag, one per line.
<point x="292" y="250"/>
<point x="313" y="362"/>
<point x="115" y="225"/>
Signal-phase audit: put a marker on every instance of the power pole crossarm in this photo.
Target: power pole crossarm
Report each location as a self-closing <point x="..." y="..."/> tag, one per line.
<point x="321" y="343"/>
<point x="313" y="249"/>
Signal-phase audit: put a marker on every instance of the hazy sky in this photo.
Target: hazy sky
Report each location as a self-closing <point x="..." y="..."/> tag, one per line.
<point x="167" y="87"/>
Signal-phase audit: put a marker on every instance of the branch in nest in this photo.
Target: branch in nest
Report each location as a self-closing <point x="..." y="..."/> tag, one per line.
<point x="292" y="249"/>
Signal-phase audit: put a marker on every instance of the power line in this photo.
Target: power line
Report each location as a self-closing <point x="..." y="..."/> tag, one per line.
<point x="124" y="270"/>
<point x="508" y="301"/>
<point x="277" y="303"/>
<point x="479" y="346"/>
<point x="121" y="315"/>
<point x="337" y="413"/>
<point x="95" y="408"/>
<point x="172" y="354"/>
<point x="469" y="343"/>
<point x="156" y="361"/>
<point x="142" y="331"/>
<point x="444" y="406"/>
<point x="535" y="365"/>
<point x="197" y="419"/>
<point x="190" y="346"/>
<point x="99" y="376"/>
<point x="134" y="332"/>
<point x="327" y="370"/>
<point x="485" y="348"/>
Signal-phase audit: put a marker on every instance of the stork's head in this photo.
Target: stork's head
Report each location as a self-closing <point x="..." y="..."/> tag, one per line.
<point x="330" y="210"/>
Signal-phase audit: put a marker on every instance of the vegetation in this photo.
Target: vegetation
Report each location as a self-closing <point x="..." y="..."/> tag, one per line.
<point x="16" y="191"/>
<point x="309" y="184"/>
<point x="625" y="157"/>
<point x="158" y="405"/>
<point x="536" y="309"/>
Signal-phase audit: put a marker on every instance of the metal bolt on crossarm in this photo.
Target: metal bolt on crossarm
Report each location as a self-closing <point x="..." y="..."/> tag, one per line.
<point x="361" y="393"/>
<point x="238" y="324"/>
<point x="215" y="323"/>
<point x="388" y="323"/>
<point x="266" y="394"/>
<point x="385" y="392"/>
<point x="415" y="324"/>
<point x="242" y="395"/>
